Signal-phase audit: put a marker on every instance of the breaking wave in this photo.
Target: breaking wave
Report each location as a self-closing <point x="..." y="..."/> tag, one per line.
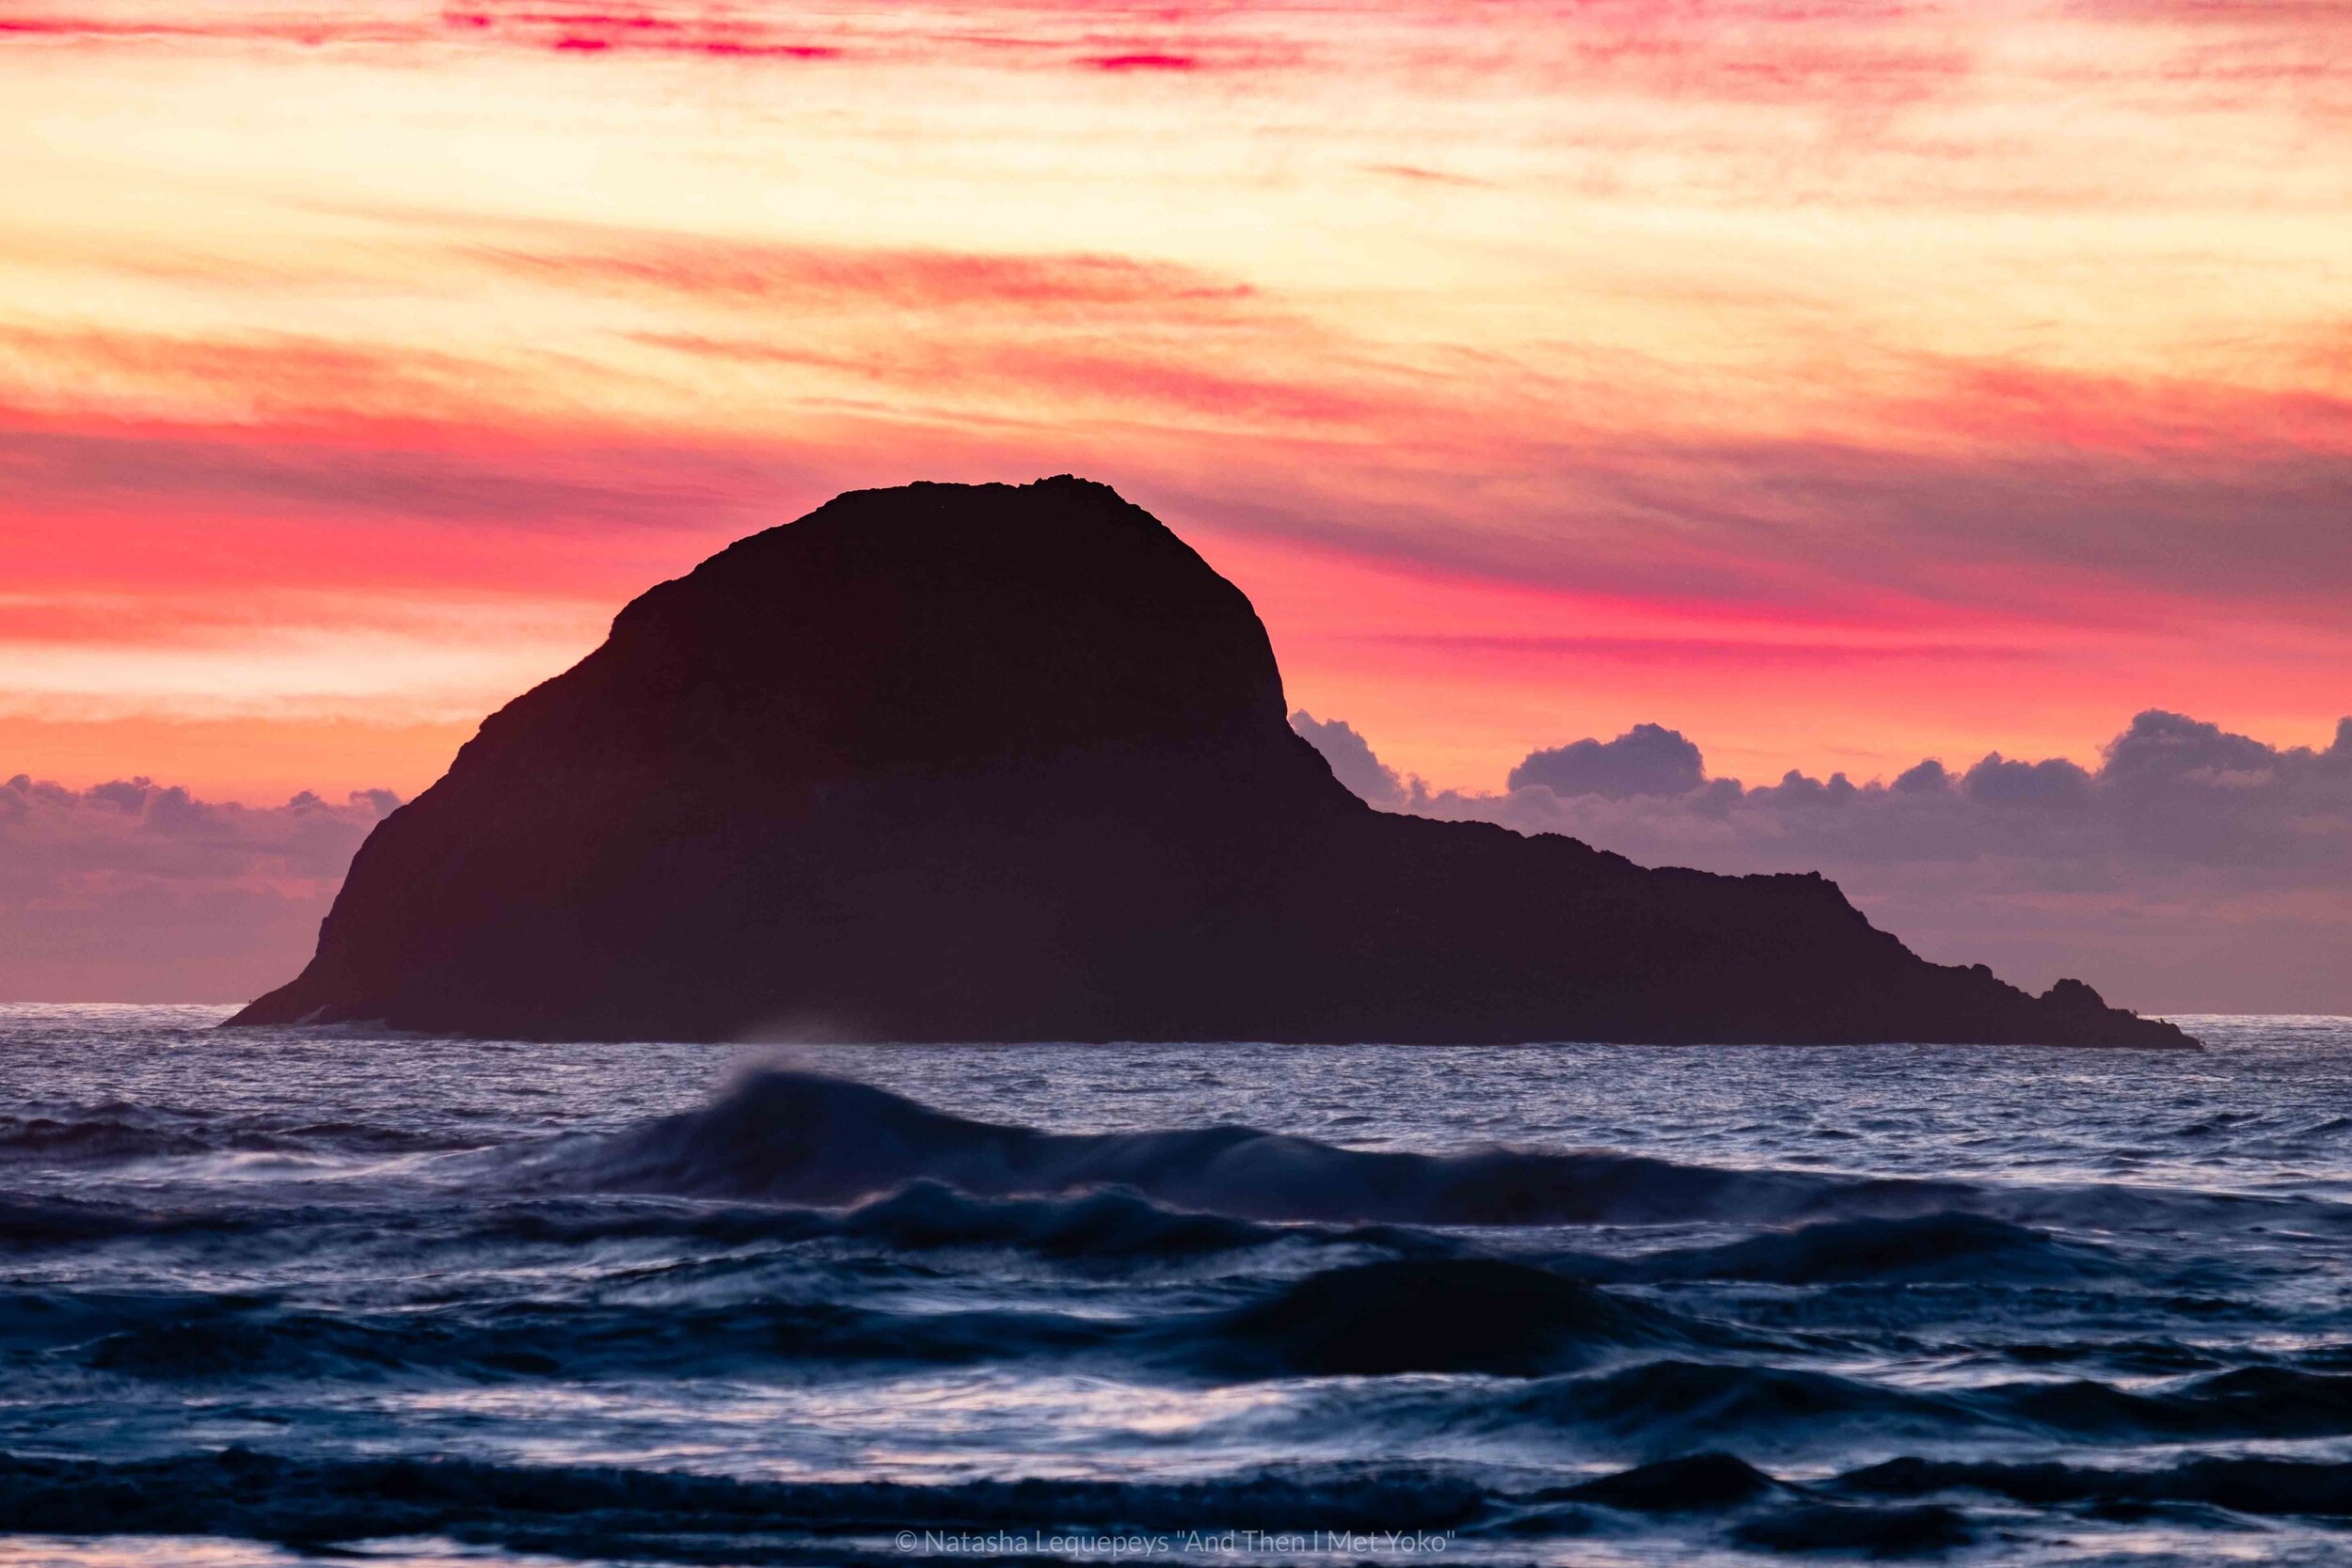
<point x="798" y="1137"/>
<point x="782" y="1137"/>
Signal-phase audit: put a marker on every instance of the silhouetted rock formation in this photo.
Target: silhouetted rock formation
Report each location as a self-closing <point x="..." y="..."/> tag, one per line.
<point x="960" y="762"/>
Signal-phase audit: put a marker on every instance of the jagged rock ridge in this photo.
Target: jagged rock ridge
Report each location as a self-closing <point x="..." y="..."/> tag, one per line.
<point x="960" y="762"/>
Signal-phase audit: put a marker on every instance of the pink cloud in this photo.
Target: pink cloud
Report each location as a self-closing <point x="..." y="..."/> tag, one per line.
<point x="812" y="275"/>
<point x="1997" y="490"/>
<point x="1143" y="62"/>
<point x="1428" y="175"/>
<point x="276" y="375"/>
<point x="1669" y="652"/>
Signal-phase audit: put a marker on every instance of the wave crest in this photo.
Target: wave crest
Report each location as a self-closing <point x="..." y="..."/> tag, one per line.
<point x="799" y="1137"/>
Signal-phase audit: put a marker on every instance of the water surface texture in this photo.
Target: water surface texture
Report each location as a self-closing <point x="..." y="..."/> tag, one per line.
<point x="271" y="1294"/>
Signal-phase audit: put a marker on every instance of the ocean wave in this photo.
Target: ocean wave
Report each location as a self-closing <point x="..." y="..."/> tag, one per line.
<point x="2244" y="1403"/>
<point x="1941" y="1247"/>
<point x="29" y="1223"/>
<point x="1104" y="1225"/>
<point x="1106" y="1230"/>
<point x="797" y="1137"/>
<point x="1713" y="1479"/>
<point x="1109" y="1229"/>
<point x="176" y="1338"/>
<point x="120" y="1132"/>
<point x="1114" y="1227"/>
<point x="2101" y="1320"/>
<point x="98" y="1134"/>
<point x="2131" y="1357"/>
<point x="1869" y="1532"/>
<point x="1110" y="1232"/>
<point x="2255" y="1485"/>
<point x="1772" y="1514"/>
<point x="1908" y="1507"/>
<point x="659" y="1515"/>
<point x="646" y="1516"/>
<point x="790" y="1137"/>
<point x="1459" y="1315"/>
<point x="1673" y="1405"/>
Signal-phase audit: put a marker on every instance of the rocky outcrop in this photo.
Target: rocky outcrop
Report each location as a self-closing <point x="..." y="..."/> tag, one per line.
<point x="963" y="763"/>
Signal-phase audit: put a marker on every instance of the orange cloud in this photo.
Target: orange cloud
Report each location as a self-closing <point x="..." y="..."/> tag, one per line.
<point x="1761" y="367"/>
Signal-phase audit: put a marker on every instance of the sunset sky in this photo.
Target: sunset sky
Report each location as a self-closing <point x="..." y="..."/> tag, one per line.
<point x="1839" y="384"/>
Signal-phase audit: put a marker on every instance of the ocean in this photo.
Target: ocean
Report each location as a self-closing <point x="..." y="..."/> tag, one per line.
<point x="277" y="1296"/>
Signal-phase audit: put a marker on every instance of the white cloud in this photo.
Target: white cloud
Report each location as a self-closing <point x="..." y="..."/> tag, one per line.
<point x="1351" y="759"/>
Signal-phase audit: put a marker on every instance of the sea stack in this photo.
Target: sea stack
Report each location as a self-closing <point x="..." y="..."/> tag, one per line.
<point x="995" y="762"/>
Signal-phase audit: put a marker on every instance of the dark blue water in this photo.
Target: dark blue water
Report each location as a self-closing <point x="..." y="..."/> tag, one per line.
<point x="266" y="1297"/>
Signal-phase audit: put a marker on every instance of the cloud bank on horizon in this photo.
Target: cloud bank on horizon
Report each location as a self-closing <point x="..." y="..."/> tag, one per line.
<point x="138" y="892"/>
<point x="2191" y="870"/>
<point x="1855" y="383"/>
